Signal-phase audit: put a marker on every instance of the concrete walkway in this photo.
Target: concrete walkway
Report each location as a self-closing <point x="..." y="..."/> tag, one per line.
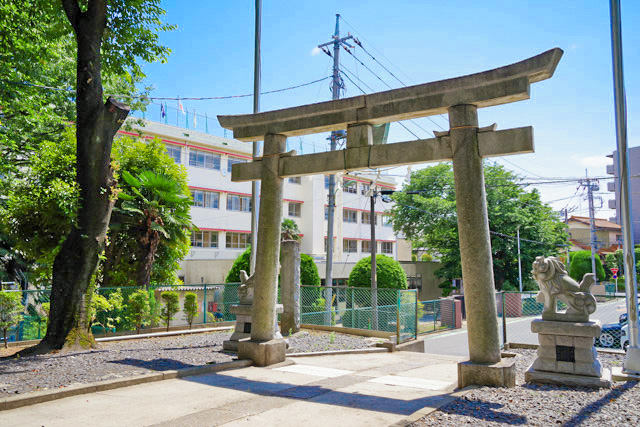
<point x="356" y="390"/>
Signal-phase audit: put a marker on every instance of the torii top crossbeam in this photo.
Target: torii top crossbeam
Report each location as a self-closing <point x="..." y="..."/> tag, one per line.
<point x="494" y="87"/>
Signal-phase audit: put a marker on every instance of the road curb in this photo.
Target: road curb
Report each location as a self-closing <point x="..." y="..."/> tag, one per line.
<point x="77" y="389"/>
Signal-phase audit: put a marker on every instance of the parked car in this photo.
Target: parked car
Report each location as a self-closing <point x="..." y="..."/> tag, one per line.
<point x="611" y="335"/>
<point x="624" y="316"/>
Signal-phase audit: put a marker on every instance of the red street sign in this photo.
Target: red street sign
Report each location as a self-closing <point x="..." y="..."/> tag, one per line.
<point x="615" y="271"/>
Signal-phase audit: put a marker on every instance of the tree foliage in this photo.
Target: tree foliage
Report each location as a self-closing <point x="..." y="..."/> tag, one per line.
<point x="581" y="265"/>
<point x="170" y="308"/>
<point x="138" y="309"/>
<point x="190" y="307"/>
<point x="10" y="311"/>
<point x="308" y="271"/>
<point x="388" y="271"/>
<point x="429" y="219"/>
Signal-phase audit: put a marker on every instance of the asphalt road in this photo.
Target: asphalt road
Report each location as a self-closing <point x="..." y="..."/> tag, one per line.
<point x="518" y="331"/>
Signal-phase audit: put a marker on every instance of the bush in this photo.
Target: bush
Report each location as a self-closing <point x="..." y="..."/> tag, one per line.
<point x="190" y="307"/>
<point x="308" y="271"/>
<point x="138" y="308"/>
<point x="171" y="306"/>
<point x="105" y="312"/>
<point x="581" y="264"/>
<point x="426" y="257"/>
<point x="10" y="311"/>
<point x="243" y="262"/>
<point x="414" y="257"/>
<point x="390" y="273"/>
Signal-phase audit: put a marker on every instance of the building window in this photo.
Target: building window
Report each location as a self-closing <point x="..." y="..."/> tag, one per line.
<point x="236" y="202"/>
<point x="350" y="186"/>
<point x="386" y="221"/>
<point x="174" y="152"/>
<point x="366" y="218"/>
<point x="364" y="188"/>
<point x="295" y="209"/>
<point x="366" y="246"/>
<point x="295" y="180"/>
<point x="204" y="159"/>
<point x="326" y="181"/>
<point x="233" y="160"/>
<point x="386" y="247"/>
<point x="349" y="215"/>
<point x="238" y="240"/>
<point x="206" y="199"/>
<point x="204" y="239"/>
<point x="350" y="246"/>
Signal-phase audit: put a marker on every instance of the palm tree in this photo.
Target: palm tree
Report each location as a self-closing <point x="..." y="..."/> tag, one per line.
<point x="154" y="209"/>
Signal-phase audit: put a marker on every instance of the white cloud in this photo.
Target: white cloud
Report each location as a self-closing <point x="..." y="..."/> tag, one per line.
<point x="316" y="50"/>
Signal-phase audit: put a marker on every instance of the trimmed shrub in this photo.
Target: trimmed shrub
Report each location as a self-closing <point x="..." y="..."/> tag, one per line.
<point x="190" y="307"/>
<point x="426" y="257"/>
<point x="308" y="271"/>
<point x="414" y="257"/>
<point x="10" y="311"/>
<point x="390" y="273"/>
<point x="581" y="264"/>
<point x="138" y="308"/>
<point x="243" y="262"/>
<point x="170" y="308"/>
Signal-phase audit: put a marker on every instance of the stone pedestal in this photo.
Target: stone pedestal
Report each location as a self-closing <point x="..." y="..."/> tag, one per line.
<point x="566" y="355"/>
<point x="500" y="374"/>
<point x="263" y="353"/>
<point x="290" y="286"/>
<point x="242" y="330"/>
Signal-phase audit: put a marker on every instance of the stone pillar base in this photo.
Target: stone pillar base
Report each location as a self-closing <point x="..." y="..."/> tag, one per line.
<point x="544" y="377"/>
<point x="501" y="374"/>
<point x="263" y="353"/>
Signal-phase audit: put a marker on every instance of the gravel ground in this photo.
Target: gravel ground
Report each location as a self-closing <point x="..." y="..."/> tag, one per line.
<point x="529" y="404"/>
<point x="118" y="359"/>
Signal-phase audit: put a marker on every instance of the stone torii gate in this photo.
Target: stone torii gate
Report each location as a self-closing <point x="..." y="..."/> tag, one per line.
<point x="465" y="144"/>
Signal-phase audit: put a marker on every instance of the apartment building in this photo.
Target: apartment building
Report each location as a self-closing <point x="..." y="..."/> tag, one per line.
<point x="634" y="184"/>
<point x="222" y="208"/>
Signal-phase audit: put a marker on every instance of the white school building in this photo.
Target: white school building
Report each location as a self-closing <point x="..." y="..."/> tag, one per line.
<point x="222" y="208"/>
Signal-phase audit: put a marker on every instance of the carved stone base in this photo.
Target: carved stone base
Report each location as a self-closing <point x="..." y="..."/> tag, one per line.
<point x="566" y="354"/>
<point x="543" y="377"/>
<point x="501" y="374"/>
<point x="242" y="331"/>
<point x="263" y="353"/>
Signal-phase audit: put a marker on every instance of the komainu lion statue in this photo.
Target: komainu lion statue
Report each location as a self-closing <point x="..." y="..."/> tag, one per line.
<point x="555" y="284"/>
<point x="245" y="291"/>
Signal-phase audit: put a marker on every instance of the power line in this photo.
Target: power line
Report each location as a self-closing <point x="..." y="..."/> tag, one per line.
<point x="204" y="98"/>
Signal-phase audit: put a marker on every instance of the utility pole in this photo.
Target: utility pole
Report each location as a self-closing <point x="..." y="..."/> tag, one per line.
<point x="566" y="223"/>
<point x="519" y="261"/>
<point x="255" y="185"/>
<point x="336" y="85"/>
<point x="374" y="274"/>
<point x="632" y="358"/>
<point x="592" y="185"/>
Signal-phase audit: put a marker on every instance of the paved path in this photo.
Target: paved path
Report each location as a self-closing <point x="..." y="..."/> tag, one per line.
<point x="518" y="330"/>
<point x="355" y="390"/>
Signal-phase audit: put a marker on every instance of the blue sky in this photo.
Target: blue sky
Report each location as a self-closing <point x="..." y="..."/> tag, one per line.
<point x="419" y="41"/>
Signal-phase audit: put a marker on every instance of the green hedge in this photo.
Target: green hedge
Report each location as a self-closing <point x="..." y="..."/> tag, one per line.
<point x="389" y="272"/>
<point x="581" y="264"/>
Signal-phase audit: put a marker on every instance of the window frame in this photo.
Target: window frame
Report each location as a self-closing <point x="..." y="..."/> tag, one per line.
<point x="204" y="159"/>
<point x="346" y="246"/>
<point x="207" y="196"/>
<point x="350" y="186"/>
<point x="243" y="203"/>
<point x="346" y="214"/>
<point x="237" y="240"/>
<point x="382" y="249"/>
<point x="171" y="152"/>
<point x="297" y="209"/>
<point x="233" y="160"/>
<point x="362" y="248"/>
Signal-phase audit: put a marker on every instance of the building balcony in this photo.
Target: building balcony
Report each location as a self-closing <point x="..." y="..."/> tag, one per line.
<point x="612" y="203"/>
<point x="610" y="170"/>
<point x="611" y="186"/>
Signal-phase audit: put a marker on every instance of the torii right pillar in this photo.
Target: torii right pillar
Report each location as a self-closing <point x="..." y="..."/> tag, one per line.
<point x="485" y="366"/>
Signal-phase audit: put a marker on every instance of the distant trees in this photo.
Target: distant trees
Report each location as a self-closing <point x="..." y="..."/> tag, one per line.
<point x="425" y="212"/>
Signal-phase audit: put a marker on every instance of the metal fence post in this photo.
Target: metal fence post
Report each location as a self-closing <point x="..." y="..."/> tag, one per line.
<point x="415" y="334"/>
<point x="204" y="305"/>
<point x="398" y="318"/>
<point x="504" y="322"/>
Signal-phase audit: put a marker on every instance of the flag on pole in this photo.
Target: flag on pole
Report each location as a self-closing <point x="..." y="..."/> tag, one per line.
<point x="163" y="113"/>
<point x="166" y="118"/>
<point x="195" y="121"/>
<point x="180" y="107"/>
<point x="186" y="120"/>
<point x="206" y="123"/>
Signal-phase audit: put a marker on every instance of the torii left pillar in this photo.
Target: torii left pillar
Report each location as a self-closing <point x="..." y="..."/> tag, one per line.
<point x="264" y="347"/>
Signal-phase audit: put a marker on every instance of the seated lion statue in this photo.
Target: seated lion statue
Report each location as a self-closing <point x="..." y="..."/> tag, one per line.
<point x="555" y="284"/>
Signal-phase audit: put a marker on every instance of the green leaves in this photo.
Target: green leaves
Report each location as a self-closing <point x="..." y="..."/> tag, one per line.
<point x="429" y="219"/>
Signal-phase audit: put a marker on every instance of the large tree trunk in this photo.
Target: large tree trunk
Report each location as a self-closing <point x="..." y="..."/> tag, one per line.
<point x="148" y="247"/>
<point x="97" y="124"/>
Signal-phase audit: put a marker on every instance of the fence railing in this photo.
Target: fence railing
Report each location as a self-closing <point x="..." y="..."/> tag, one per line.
<point x="436" y="315"/>
<point x="385" y="310"/>
<point x="515" y="311"/>
<point x="214" y="301"/>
